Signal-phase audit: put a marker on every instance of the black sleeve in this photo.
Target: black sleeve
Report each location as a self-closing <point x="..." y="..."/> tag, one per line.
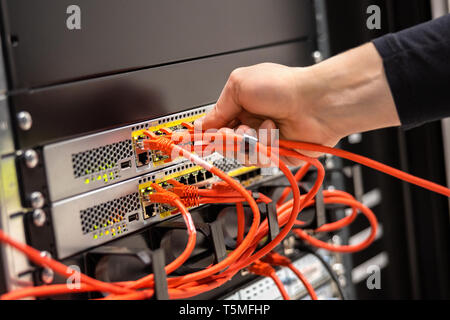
<point x="417" y="66"/>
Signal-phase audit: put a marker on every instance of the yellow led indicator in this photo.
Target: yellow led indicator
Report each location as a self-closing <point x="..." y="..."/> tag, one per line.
<point x="106" y="232"/>
<point x="95" y="227"/>
<point x="113" y="234"/>
<point x="95" y="236"/>
<point x="113" y="230"/>
<point x="86" y="181"/>
<point x="105" y="225"/>
<point x="118" y="228"/>
<point x="101" y="234"/>
<point x="99" y="178"/>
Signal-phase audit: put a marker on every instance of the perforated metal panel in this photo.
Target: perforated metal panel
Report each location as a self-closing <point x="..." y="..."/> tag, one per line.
<point x="171" y="118"/>
<point x="109" y="213"/>
<point x="227" y="164"/>
<point x="100" y="159"/>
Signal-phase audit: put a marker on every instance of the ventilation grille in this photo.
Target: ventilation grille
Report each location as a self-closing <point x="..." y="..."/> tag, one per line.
<point x="226" y="164"/>
<point x="168" y="119"/>
<point x="108" y="213"/>
<point x="100" y="159"/>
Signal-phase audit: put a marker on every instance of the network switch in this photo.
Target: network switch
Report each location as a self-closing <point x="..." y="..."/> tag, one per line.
<point x="102" y="215"/>
<point x="91" y="162"/>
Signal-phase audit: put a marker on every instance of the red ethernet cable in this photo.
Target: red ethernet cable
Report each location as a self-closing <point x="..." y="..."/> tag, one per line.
<point x="264" y="269"/>
<point x="240" y="222"/>
<point x="186" y="286"/>
<point x="277" y="259"/>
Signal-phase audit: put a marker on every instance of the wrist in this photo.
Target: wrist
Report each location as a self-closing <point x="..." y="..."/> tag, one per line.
<point x="349" y="93"/>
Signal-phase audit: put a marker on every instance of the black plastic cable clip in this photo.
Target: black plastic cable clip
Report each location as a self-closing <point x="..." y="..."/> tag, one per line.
<point x="269" y="210"/>
<point x="213" y="231"/>
<point x="161" y="290"/>
<point x="218" y="240"/>
<point x="319" y="208"/>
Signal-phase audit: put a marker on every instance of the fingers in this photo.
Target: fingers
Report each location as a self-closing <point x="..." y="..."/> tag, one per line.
<point x="227" y="108"/>
<point x="268" y="133"/>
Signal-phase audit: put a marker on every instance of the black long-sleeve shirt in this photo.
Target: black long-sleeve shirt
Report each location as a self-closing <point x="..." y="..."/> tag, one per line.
<point x="417" y="66"/>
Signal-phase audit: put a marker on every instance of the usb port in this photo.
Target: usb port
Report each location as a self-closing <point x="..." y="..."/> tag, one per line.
<point x="125" y="165"/>
<point x="133" y="217"/>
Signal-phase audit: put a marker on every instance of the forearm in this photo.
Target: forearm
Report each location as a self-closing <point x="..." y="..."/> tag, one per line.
<point x="416" y="61"/>
<point x="350" y="92"/>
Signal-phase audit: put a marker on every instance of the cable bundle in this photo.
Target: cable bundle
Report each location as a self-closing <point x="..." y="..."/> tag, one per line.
<point x="247" y="253"/>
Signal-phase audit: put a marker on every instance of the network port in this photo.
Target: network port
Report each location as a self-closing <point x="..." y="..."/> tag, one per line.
<point x="143" y="159"/>
<point x="208" y="175"/>
<point x="150" y="210"/>
<point x="158" y="156"/>
<point x="192" y="178"/>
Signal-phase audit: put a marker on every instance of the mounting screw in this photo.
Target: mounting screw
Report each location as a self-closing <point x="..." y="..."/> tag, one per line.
<point x="37" y="200"/>
<point x="339" y="269"/>
<point x="45" y="254"/>
<point x="24" y="119"/>
<point x="336" y="240"/>
<point x="317" y="56"/>
<point x="354" y="138"/>
<point x="31" y="158"/>
<point x="47" y="274"/>
<point x="39" y="217"/>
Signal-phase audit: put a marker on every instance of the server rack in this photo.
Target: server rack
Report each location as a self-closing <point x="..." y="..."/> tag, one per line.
<point x="73" y="102"/>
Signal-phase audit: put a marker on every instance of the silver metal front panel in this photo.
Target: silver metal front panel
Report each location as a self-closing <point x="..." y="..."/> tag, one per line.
<point x="66" y="214"/>
<point x="11" y="222"/>
<point x="62" y="159"/>
<point x="14" y="263"/>
<point x="6" y="139"/>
